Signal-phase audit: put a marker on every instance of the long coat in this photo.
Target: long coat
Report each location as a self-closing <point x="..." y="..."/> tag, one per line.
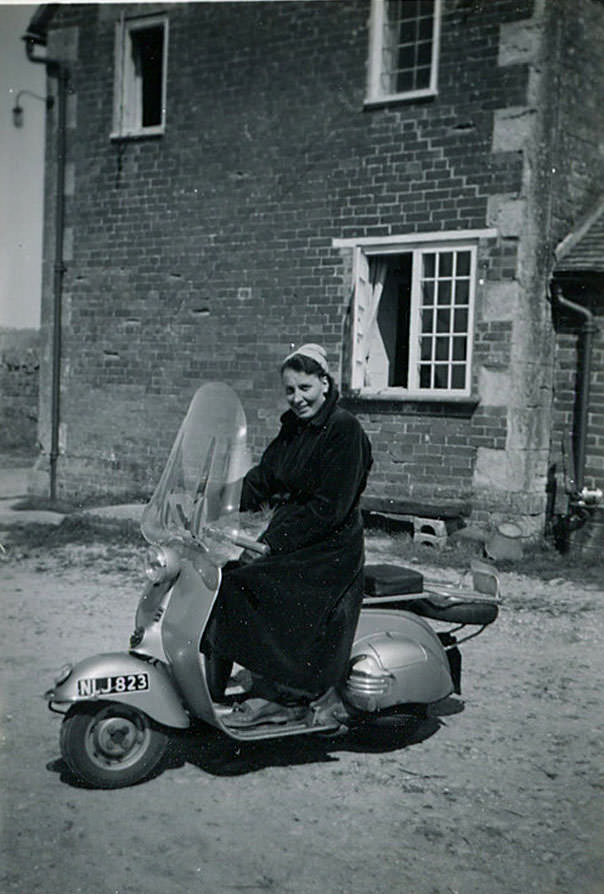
<point x="291" y="616"/>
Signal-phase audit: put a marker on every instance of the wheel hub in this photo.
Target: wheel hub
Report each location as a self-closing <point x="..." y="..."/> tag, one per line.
<point x="116" y="736"/>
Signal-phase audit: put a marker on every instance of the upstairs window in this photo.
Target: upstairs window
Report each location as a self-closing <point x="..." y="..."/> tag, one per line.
<point x="140" y="76"/>
<point x="413" y="320"/>
<point x="403" y="54"/>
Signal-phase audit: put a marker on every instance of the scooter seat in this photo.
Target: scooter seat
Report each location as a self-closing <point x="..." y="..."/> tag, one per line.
<point x="392" y="580"/>
<point x="454" y="609"/>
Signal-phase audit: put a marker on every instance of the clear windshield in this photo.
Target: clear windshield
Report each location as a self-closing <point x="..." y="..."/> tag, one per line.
<point x="198" y="494"/>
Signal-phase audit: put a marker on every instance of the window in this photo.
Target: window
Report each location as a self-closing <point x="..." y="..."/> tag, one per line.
<point x="404" y="42"/>
<point x="140" y="76"/>
<point x="413" y="319"/>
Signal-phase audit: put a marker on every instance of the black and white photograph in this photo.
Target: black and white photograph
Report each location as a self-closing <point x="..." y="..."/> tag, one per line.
<point x="302" y="447"/>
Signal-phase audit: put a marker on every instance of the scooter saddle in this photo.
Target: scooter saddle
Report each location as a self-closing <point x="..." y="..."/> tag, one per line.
<point x="392" y="580"/>
<point x="384" y="583"/>
<point x="453" y="609"/>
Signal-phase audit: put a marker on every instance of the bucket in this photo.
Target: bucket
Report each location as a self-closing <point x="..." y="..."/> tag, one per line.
<point x="505" y="543"/>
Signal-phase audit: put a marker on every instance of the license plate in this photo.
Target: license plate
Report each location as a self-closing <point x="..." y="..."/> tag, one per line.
<point x="94" y="686"/>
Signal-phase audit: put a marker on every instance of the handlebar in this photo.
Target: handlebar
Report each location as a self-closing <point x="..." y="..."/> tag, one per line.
<point x="253" y="545"/>
<point x="238" y="539"/>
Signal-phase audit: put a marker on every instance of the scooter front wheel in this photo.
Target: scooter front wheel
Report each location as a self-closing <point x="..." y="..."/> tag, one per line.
<point x="111" y="745"/>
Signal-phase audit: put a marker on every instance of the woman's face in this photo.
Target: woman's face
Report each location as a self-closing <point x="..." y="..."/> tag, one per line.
<point x="305" y="392"/>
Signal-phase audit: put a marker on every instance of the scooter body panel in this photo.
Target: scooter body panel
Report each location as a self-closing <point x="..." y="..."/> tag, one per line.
<point x="396" y="658"/>
<point x="123" y="677"/>
<point x="186" y="618"/>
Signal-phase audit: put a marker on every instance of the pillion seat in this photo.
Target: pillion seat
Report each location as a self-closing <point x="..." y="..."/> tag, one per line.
<point x="393" y="586"/>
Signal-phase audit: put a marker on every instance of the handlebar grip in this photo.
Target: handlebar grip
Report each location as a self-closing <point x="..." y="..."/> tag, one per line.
<point x="253" y="545"/>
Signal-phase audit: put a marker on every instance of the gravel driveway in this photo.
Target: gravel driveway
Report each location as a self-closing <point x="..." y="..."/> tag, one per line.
<point x="498" y="792"/>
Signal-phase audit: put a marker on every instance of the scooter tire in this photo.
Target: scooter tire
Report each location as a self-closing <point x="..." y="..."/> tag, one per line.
<point x="110" y="745"/>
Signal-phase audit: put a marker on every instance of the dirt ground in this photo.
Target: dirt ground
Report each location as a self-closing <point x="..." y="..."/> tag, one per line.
<point x="498" y="792"/>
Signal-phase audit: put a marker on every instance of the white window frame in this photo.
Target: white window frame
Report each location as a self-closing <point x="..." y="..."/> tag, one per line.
<point x="416" y="244"/>
<point x="375" y="92"/>
<point x="127" y="94"/>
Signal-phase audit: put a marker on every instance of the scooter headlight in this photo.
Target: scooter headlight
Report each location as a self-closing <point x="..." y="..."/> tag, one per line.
<point x="63" y="674"/>
<point x="161" y="563"/>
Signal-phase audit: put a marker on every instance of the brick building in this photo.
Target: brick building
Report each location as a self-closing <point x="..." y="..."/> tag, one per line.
<point x="390" y="179"/>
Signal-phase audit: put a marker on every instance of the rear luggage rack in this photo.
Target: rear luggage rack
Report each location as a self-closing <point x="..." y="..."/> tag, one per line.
<point x="392" y="586"/>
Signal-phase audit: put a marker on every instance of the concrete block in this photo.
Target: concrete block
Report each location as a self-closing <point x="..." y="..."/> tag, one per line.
<point x="500" y="301"/>
<point x="507" y="214"/>
<point x="518" y="42"/>
<point x="494" y="387"/>
<point x="499" y="470"/>
<point x="512" y="128"/>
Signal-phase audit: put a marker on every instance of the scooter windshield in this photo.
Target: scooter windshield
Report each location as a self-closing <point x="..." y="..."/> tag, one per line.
<point x="197" y="498"/>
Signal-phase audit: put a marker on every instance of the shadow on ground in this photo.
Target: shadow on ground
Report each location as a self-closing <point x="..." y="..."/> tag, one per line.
<point x="214" y="753"/>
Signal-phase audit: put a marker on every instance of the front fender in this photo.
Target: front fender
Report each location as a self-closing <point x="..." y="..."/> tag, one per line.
<point x="123" y="677"/>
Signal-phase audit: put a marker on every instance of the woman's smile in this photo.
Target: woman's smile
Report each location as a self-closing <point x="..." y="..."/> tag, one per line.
<point x="305" y="393"/>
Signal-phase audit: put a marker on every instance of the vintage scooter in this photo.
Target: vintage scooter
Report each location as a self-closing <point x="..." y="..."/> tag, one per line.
<point x="120" y="707"/>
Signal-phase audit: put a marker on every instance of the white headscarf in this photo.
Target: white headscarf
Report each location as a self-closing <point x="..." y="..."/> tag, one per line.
<point x="315" y="352"/>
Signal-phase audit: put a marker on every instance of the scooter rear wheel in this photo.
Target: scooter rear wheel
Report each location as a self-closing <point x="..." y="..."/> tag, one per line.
<point x="111" y="745"/>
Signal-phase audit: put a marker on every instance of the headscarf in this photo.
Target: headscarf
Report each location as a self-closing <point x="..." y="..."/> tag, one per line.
<point x="315" y="352"/>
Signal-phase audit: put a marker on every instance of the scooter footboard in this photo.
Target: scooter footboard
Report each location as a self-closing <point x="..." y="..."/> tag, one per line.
<point x="122" y="677"/>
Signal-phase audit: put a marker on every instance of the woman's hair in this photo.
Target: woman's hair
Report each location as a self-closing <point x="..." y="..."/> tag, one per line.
<point x="304" y="364"/>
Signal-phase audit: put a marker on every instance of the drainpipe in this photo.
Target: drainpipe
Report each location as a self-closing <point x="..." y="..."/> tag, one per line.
<point x="588" y="330"/>
<point x="57" y="69"/>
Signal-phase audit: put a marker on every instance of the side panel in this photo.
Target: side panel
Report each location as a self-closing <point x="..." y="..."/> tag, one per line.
<point x="121" y="677"/>
<point x="409" y="660"/>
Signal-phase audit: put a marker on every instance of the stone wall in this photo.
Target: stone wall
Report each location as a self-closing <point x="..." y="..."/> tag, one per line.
<point x="19" y="369"/>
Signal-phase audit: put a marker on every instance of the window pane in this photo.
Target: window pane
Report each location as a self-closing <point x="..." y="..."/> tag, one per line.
<point x="147" y="52"/>
<point x="427" y="320"/>
<point x="407" y="42"/>
<point x="426" y="349"/>
<point x="463" y="263"/>
<point x="406" y="57"/>
<point x="458" y="377"/>
<point x="462" y="291"/>
<point x="424" y="54"/>
<point x="425" y="28"/>
<point x="443" y="321"/>
<point x="406" y="9"/>
<point x="422" y="78"/>
<point x="445" y="263"/>
<point x="444" y="292"/>
<point x="441" y="375"/>
<point x="460" y="321"/>
<point x="424" y="375"/>
<point x="404" y="81"/>
<point x="442" y="349"/>
<point x="428" y="294"/>
<point x="459" y="348"/>
<point x="429" y="265"/>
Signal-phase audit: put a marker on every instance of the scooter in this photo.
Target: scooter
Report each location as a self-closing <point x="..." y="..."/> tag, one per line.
<point x="119" y="708"/>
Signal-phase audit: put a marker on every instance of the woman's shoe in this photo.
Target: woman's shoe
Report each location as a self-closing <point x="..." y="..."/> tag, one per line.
<point x="258" y="711"/>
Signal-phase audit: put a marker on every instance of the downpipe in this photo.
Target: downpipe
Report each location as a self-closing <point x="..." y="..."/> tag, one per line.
<point x="580" y="498"/>
<point x="57" y="69"/>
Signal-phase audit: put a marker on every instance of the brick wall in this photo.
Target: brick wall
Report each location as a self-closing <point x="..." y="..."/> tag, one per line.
<point x="579" y="174"/>
<point x="207" y="252"/>
<point x="579" y="161"/>
<point x="19" y="367"/>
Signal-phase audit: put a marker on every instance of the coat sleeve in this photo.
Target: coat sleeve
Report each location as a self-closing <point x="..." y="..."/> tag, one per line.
<point x="259" y="483"/>
<point x="345" y="462"/>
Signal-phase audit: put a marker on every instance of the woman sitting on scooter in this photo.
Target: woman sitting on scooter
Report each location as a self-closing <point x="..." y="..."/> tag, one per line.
<point x="289" y="617"/>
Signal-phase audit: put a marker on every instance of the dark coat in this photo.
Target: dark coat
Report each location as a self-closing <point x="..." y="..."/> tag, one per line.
<point x="291" y="616"/>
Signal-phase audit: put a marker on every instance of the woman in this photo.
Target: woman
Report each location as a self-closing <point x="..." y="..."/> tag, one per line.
<point x="290" y="616"/>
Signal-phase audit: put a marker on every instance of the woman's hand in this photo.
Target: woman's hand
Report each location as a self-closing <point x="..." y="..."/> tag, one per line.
<point x="248" y="556"/>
